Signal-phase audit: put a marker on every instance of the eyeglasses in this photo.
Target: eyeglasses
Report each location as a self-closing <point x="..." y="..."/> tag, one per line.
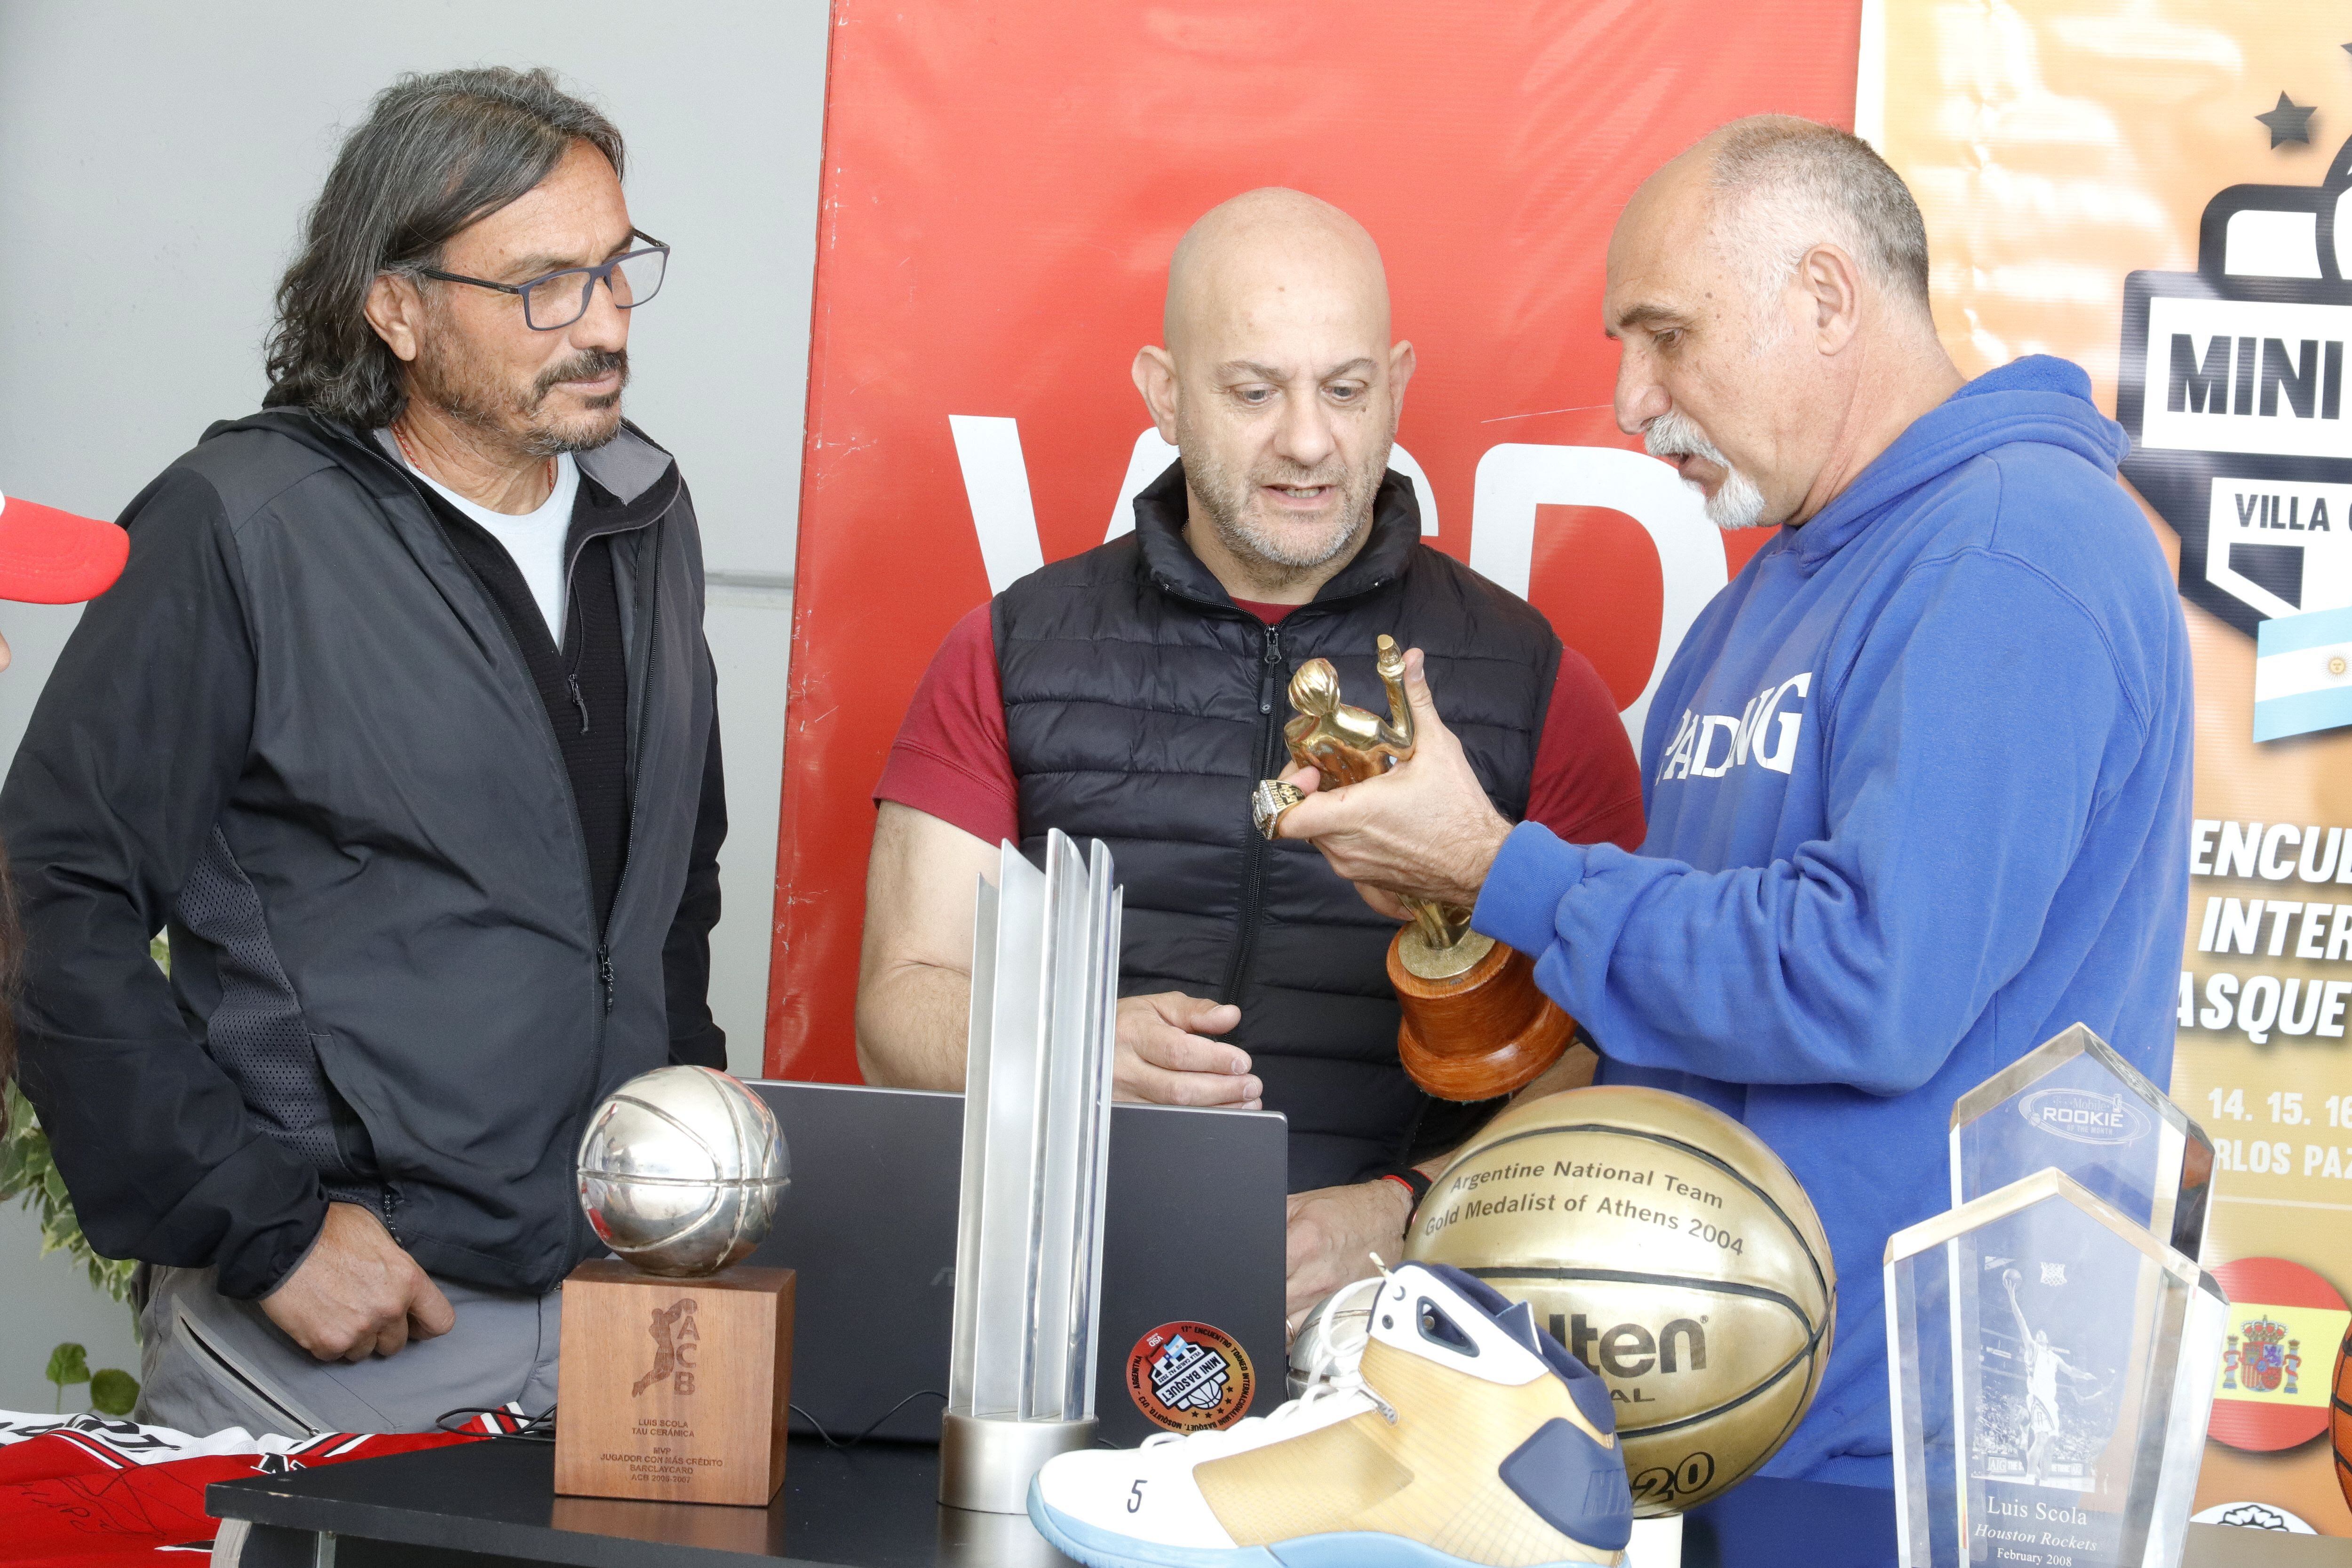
<point x="556" y="300"/>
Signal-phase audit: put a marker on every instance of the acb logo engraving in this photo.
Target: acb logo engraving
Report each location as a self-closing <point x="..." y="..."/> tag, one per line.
<point x="677" y="1342"/>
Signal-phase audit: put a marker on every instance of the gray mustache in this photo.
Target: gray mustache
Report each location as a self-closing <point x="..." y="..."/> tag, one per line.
<point x="1672" y="435"/>
<point x="583" y="366"/>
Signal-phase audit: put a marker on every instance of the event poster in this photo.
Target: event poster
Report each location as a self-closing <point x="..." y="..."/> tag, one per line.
<point x="2151" y="189"/>
<point x="1003" y="189"/>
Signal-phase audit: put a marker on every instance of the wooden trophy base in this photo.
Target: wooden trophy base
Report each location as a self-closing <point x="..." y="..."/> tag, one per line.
<point x="1484" y="1032"/>
<point x="673" y="1389"/>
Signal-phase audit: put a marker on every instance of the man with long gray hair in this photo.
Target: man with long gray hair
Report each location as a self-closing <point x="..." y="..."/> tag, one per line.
<point x="1917" y="779"/>
<point x="400" y="719"/>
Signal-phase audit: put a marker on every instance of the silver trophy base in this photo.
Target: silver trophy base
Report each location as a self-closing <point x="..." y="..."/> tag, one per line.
<point x="986" y="1465"/>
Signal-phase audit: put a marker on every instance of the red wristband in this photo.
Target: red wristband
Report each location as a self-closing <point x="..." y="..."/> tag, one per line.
<point x="1415" y="1184"/>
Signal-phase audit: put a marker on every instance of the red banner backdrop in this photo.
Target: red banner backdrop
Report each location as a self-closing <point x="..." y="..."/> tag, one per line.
<point x="1003" y="187"/>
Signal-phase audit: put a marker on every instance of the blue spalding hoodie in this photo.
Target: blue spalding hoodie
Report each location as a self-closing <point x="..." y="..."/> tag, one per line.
<point x="1918" y="784"/>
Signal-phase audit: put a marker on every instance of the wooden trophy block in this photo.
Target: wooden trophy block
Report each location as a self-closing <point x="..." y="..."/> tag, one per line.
<point x="673" y="1389"/>
<point x="1485" y="1032"/>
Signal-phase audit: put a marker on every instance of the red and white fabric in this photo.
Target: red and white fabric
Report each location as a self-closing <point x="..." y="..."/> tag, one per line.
<point x="84" y="1491"/>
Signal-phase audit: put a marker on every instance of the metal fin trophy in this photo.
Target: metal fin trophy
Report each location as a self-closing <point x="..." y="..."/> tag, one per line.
<point x="1037" y="1144"/>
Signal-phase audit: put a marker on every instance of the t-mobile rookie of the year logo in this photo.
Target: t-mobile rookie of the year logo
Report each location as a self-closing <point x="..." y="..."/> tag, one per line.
<point x="675" y="1342"/>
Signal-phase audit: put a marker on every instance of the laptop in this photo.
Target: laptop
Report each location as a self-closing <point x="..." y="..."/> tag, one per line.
<point x="1193" y="1232"/>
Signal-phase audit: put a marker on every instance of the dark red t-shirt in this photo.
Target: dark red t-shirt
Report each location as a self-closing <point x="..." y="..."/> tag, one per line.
<point x="952" y="759"/>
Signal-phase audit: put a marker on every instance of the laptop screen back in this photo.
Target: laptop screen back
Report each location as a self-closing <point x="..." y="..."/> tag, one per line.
<point x="1193" y="1233"/>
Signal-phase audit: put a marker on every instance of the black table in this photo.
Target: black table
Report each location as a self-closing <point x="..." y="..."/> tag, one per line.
<point x="481" y="1505"/>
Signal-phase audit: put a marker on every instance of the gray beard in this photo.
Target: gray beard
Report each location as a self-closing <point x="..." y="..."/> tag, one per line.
<point x="453" y="383"/>
<point x="1225" y="497"/>
<point x="1737" y="503"/>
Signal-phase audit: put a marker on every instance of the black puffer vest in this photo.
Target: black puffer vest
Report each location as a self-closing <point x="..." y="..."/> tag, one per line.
<point x="1142" y="706"/>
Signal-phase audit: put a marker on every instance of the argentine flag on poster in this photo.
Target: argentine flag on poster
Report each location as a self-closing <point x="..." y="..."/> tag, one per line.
<point x="2302" y="674"/>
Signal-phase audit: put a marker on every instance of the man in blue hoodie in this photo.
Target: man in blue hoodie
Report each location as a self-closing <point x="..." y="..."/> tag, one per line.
<point x="1917" y="779"/>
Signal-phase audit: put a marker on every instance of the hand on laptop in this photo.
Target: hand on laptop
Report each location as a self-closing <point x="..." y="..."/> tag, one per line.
<point x="1333" y="1233"/>
<point x="1166" y="1056"/>
<point x="357" y="1293"/>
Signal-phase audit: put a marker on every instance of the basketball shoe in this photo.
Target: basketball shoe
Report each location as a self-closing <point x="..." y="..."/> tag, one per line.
<point x="1453" y="1432"/>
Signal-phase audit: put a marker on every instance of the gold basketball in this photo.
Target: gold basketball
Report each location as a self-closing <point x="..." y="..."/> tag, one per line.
<point x="1672" y="1252"/>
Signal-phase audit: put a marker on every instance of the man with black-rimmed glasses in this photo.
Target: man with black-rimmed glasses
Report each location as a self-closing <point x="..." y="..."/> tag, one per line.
<point x="400" y="719"/>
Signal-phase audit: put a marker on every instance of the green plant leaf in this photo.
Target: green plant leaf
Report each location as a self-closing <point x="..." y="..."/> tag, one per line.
<point x="112" y="1275"/>
<point x="69" y="1364"/>
<point x="114" y="1392"/>
<point x="29" y="1174"/>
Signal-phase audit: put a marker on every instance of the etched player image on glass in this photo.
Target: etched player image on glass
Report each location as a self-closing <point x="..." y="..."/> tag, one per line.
<point x="2072" y="1104"/>
<point x="2043" y="1417"/>
<point x="2050" y="1367"/>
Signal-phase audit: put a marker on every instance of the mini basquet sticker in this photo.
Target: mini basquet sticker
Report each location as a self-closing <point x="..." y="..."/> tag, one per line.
<point x="1190" y="1377"/>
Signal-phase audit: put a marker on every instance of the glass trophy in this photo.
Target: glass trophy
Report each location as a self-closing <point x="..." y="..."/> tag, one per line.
<point x="2052" y="1366"/>
<point x="2071" y="1104"/>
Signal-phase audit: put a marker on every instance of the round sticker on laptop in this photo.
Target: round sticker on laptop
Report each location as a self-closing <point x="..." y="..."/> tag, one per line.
<point x="1190" y="1377"/>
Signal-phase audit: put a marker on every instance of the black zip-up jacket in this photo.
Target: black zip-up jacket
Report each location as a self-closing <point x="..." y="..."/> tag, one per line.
<point x="300" y="733"/>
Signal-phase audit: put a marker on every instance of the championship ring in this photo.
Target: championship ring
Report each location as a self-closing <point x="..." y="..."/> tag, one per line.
<point x="1268" y="801"/>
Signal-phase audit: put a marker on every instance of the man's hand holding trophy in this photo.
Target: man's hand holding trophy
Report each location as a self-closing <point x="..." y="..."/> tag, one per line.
<point x="1475" y="1025"/>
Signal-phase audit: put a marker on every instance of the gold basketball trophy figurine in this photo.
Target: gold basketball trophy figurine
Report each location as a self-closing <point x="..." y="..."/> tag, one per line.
<point x="1475" y="1025"/>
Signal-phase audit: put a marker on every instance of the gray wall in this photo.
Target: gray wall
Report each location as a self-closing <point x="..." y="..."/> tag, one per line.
<point x="155" y="159"/>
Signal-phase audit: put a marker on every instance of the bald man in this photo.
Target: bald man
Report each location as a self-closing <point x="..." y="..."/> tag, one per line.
<point x="1135" y="693"/>
<point x="1917" y="779"/>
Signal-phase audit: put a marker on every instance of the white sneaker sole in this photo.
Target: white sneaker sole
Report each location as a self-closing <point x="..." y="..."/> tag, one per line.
<point x="1099" y="1548"/>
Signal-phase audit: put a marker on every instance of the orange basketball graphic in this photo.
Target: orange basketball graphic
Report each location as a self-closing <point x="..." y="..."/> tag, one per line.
<point x="2340" y="1418"/>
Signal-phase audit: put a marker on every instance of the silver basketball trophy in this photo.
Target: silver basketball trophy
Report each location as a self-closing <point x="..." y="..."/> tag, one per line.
<point x="681" y="1171"/>
<point x="2052" y="1358"/>
<point x="1037" y="1146"/>
<point x="674" y="1375"/>
<point x="1333" y="1330"/>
